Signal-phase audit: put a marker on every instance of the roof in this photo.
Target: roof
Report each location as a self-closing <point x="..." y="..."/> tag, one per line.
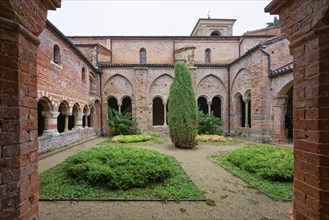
<point x="256" y="47"/>
<point x="74" y="48"/>
<point x="281" y="70"/>
<point x="102" y="65"/>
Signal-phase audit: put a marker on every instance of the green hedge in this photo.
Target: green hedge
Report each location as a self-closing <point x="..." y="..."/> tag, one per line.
<point x="131" y="138"/>
<point x="271" y="163"/>
<point x="119" y="167"/>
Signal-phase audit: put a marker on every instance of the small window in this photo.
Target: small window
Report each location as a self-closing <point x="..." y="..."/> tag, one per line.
<point x="215" y="34"/>
<point x="57" y="54"/>
<point x="83" y="75"/>
<point x="207" y="55"/>
<point x="142" y="54"/>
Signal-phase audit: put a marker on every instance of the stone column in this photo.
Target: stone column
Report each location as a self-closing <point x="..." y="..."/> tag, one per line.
<point x="50" y="123"/>
<point x="209" y="107"/>
<point x="305" y="24"/>
<point x="86" y="120"/>
<point x="78" y="120"/>
<point x="119" y="108"/>
<point x="21" y="22"/>
<point x="66" y="128"/>
<point x="279" y="118"/>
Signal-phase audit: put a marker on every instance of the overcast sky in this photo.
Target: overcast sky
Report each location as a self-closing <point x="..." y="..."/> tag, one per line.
<point x="169" y="17"/>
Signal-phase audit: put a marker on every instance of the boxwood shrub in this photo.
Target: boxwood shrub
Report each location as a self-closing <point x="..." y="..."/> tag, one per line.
<point x="119" y="167"/>
<point x="268" y="162"/>
<point x="131" y="138"/>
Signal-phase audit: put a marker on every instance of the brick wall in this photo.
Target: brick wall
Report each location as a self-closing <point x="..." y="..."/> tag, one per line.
<point x="305" y="23"/>
<point x="20" y="23"/>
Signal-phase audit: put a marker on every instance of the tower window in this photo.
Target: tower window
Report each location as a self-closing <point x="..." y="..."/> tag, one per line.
<point x="215" y="34"/>
<point x="142" y="55"/>
<point x="207" y="55"/>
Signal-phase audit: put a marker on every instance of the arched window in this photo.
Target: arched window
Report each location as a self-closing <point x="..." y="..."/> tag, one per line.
<point x="215" y="34"/>
<point x="142" y="55"/>
<point x="203" y="105"/>
<point x="207" y="55"/>
<point x="83" y="75"/>
<point x="216" y="107"/>
<point x="126" y="106"/>
<point x="158" y="111"/>
<point x="57" y="54"/>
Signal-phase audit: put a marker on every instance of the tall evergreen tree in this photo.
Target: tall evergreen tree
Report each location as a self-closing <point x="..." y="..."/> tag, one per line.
<point x="182" y="108"/>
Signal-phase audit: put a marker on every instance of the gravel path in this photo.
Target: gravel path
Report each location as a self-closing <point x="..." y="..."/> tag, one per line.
<point x="234" y="200"/>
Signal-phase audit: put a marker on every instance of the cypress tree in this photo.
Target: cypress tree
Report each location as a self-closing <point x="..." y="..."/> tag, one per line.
<point x="182" y="108"/>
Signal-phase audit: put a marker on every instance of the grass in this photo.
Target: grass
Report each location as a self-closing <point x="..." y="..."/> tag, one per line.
<point x="281" y="190"/>
<point x="57" y="184"/>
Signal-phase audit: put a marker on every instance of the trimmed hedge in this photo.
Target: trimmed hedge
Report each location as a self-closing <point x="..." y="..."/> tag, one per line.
<point x="271" y="163"/>
<point x="119" y="167"/>
<point x="131" y="138"/>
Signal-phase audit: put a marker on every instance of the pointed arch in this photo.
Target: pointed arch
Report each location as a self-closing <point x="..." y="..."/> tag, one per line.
<point x="160" y="86"/>
<point x="119" y="86"/>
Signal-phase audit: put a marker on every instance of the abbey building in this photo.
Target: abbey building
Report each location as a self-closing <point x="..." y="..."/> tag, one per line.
<point x="245" y="80"/>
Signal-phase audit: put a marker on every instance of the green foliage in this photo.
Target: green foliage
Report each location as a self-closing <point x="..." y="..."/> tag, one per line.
<point x="121" y="124"/>
<point x="57" y="183"/>
<point x="275" y="23"/>
<point x="182" y="109"/>
<point x="268" y="162"/>
<point x="209" y="124"/>
<point x="274" y="189"/>
<point x="119" y="167"/>
<point x="131" y="138"/>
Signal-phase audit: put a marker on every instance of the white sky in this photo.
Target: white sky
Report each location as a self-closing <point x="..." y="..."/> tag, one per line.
<point x="161" y="18"/>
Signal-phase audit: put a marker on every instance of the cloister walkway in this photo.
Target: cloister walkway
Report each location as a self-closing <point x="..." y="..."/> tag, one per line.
<point x="233" y="198"/>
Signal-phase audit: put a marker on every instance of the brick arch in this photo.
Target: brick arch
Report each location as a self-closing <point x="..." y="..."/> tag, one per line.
<point x="66" y="107"/>
<point x="160" y="86"/>
<point x="46" y="103"/>
<point x="247" y="94"/>
<point x="211" y="85"/>
<point x="46" y="94"/>
<point x="119" y="86"/>
<point x="284" y="90"/>
<point x="236" y="95"/>
<point x="204" y="96"/>
<point x="242" y="81"/>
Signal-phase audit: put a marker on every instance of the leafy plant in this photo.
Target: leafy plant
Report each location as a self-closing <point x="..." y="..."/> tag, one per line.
<point x="119" y="167"/>
<point x="182" y="109"/>
<point x="131" y="138"/>
<point x="212" y="138"/>
<point x="121" y="124"/>
<point x="209" y="123"/>
<point x="268" y="162"/>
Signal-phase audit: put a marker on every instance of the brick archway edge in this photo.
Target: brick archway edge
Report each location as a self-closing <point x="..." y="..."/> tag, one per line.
<point x="20" y="24"/>
<point x="306" y="25"/>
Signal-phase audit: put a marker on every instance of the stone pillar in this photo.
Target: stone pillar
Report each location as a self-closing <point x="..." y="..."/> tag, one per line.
<point x="66" y="128"/>
<point x="20" y="24"/>
<point x="305" y="24"/>
<point x="119" y="108"/>
<point x="86" y="120"/>
<point x="50" y="123"/>
<point x="165" y="113"/>
<point x="246" y="102"/>
<point x="209" y="107"/>
<point x="279" y="108"/>
<point x="78" y="120"/>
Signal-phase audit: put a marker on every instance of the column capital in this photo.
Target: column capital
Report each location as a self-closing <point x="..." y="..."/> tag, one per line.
<point x="50" y="114"/>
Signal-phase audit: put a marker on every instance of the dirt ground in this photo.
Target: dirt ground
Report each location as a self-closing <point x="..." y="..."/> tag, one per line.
<point x="232" y="198"/>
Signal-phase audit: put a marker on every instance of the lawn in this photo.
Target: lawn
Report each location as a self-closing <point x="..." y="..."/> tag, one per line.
<point x="268" y="168"/>
<point x="83" y="177"/>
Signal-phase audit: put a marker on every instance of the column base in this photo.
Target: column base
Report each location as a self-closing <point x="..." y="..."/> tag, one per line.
<point x="52" y="132"/>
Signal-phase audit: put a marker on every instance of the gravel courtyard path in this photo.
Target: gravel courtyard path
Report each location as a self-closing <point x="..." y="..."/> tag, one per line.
<point x="233" y="198"/>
